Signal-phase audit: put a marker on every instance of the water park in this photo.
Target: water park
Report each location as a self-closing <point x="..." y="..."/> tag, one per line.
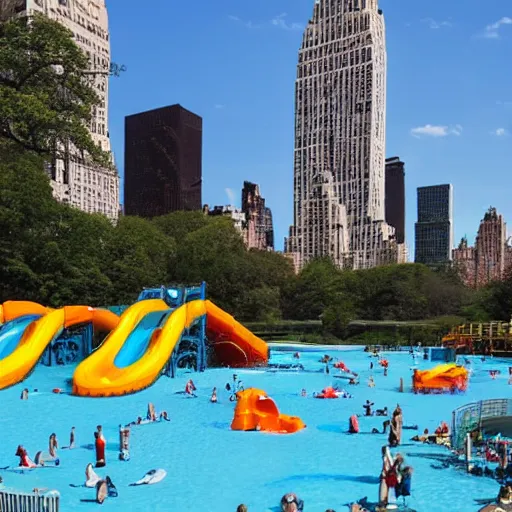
<point x="171" y="404"/>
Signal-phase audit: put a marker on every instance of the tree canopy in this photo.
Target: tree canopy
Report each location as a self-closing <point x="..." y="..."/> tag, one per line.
<point x="46" y="89"/>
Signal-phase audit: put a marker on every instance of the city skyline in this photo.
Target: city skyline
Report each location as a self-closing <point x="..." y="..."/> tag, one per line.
<point x="432" y="93"/>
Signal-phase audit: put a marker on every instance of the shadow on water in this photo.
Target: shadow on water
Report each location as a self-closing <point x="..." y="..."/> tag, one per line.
<point x="219" y="424"/>
<point x="363" y="479"/>
<point x="111" y="447"/>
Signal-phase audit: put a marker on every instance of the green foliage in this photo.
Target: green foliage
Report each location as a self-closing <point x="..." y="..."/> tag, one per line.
<point x="46" y="90"/>
<point x="138" y="254"/>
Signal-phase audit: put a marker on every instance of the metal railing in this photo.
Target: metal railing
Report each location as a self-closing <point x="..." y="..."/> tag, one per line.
<point x="11" y="501"/>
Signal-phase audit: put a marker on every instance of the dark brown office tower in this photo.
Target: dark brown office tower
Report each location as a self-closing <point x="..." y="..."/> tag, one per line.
<point x="162" y="161"/>
<point x="395" y="197"/>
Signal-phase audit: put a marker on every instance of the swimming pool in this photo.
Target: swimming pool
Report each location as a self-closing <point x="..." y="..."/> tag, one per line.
<point x="210" y="467"/>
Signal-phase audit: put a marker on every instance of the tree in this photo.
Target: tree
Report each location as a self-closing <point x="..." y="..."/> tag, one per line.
<point x="137" y="256"/>
<point x="46" y="90"/>
<point x="215" y="254"/>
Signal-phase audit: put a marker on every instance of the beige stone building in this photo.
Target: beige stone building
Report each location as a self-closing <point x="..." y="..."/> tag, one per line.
<point x="340" y="134"/>
<point x="490" y="258"/>
<point x="90" y="188"/>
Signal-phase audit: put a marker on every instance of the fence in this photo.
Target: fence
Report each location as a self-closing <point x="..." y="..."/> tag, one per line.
<point x="470" y="417"/>
<point x="29" y="502"/>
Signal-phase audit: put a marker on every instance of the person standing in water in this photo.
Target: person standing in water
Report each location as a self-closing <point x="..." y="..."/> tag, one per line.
<point x="395" y="427"/>
<point x="52" y="446"/>
<point x="72" y="438"/>
<point x="213" y="398"/>
<point x="387" y="465"/>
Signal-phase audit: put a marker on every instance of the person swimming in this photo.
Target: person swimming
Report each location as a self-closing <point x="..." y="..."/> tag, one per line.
<point x="368" y="408"/>
<point x="303" y="393"/>
<point x="213" y="398"/>
<point x="24" y="394"/>
<point x="371" y="382"/>
<point x="381" y="412"/>
<point x="291" y="503"/>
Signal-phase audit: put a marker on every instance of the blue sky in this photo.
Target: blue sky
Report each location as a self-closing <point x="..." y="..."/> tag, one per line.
<point x="233" y="62"/>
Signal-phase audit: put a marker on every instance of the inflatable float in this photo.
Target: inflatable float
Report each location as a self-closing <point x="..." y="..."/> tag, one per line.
<point x="441" y="379"/>
<point x="353" y="425"/>
<point x="328" y="392"/>
<point x="153" y="476"/>
<point x="255" y="410"/>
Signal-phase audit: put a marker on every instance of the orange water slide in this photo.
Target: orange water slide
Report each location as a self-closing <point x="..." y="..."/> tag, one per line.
<point x="233" y="344"/>
<point x="255" y="410"/>
<point x="39" y="334"/>
<point x="12" y="309"/>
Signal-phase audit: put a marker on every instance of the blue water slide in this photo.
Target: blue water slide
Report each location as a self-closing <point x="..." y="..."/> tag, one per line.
<point x="137" y="342"/>
<point x="11" y="333"/>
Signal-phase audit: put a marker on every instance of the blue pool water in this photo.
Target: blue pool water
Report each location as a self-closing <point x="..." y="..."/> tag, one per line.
<point x="209" y="467"/>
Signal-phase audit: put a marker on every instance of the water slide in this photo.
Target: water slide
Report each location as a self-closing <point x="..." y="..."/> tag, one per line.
<point x="29" y="330"/>
<point x="234" y="345"/>
<point x="135" y="353"/>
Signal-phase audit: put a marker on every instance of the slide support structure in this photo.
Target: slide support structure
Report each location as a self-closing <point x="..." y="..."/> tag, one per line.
<point x="71" y="346"/>
<point x="192" y="345"/>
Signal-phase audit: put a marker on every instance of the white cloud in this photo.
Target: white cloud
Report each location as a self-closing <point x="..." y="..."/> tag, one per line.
<point x="219" y="106"/>
<point x="500" y="132"/>
<point x="492" y="30"/>
<point x="231" y="195"/>
<point x="430" y="130"/>
<point x="456" y="130"/>
<point x="280" y="21"/>
<point x="248" y="24"/>
<point x="433" y="24"/>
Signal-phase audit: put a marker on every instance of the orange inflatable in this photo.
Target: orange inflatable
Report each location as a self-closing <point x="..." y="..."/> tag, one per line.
<point x="441" y="379"/>
<point x="255" y="410"/>
<point x="328" y="392"/>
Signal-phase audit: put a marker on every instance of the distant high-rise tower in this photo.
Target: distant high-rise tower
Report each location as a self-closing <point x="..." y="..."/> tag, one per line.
<point x="162" y="162"/>
<point x="490" y="258"/>
<point x="259" y="218"/>
<point x="395" y="197"/>
<point x="90" y="188"/>
<point x="434" y="229"/>
<point x="340" y="127"/>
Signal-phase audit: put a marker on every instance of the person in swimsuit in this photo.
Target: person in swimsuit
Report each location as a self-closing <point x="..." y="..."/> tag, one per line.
<point x="368" y="408"/>
<point x="53" y="445"/>
<point x="72" y="438"/>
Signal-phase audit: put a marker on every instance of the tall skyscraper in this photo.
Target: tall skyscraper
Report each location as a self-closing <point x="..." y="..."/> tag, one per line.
<point x="434" y="229"/>
<point x="162" y="161"/>
<point x="395" y="197"/>
<point x="490" y="258"/>
<point x="340" y="132"/>
<point x="90" y="188"/>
